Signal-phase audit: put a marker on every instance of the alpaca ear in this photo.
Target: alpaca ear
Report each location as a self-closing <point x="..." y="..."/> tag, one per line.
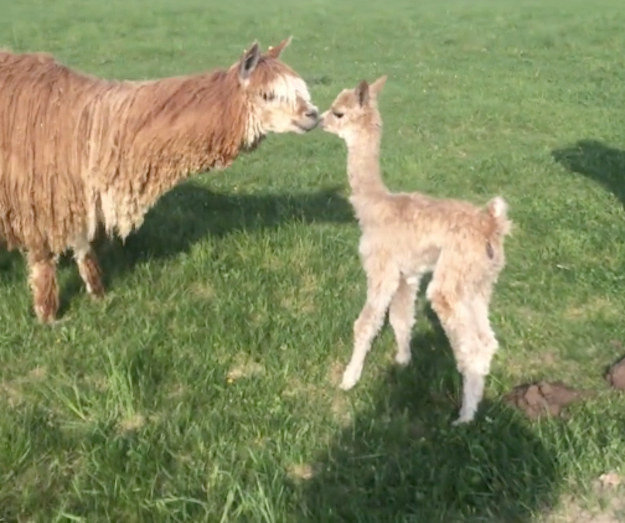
<point x="274" y="52"/>
<point x="376" y="87"/>
<point x="362" y="92"/>
<point x="249" y="61"/>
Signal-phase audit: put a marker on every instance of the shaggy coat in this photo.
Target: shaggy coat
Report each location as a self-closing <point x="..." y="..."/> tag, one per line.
<point x="79" y="152"/>
<point x="404" y="236"/>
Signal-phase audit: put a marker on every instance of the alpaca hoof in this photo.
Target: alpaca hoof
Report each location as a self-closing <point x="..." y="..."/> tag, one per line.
<point x="96" y="293"/>
<point x="349" y="380"/>
<point x="462" y="420"/>
<point x="402" y="358"/>
<point x="46" y="315"/>
<point x="347" y="385"/>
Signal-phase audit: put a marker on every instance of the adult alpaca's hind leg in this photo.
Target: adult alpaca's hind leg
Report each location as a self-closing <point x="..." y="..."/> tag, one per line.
<point x="89" y="269"/>
<point x="43" y="285"/>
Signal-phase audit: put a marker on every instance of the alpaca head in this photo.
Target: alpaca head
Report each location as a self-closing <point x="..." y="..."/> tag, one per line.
<point x="354" y="110"/>
<point x="278" y="99"/>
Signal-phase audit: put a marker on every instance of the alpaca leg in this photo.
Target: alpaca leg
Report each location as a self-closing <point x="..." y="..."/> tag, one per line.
<point x="458" y="320"/>
<point x="472" y="393"/>
<point x="473" y="357"/>
<point x="476" y="367"/>
<point x="484" y="329"/>
<point x="89" y="269"/>
<point x="380" y="291"/>
<point x="43" y="285"/>
<point x="402" y="317"/>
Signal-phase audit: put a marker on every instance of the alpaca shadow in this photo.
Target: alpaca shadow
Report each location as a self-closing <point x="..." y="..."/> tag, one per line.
<point x="596" y="160"/>
<point x="403" y="460"/>
<point x="189" y="212"/>
<point x="11" y="266"/>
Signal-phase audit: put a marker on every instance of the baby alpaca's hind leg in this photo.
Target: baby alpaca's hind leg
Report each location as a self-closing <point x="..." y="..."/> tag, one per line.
<point x="472" y="393"/>
<point x="89" y="269"/>
<point x="484" y="329"/>
<point x="380" y="290"/>
<point x="43" y="285"/>
<point x="472" y="358"/>
<point x="402" y="317"/>
<point x="475" y="365"/>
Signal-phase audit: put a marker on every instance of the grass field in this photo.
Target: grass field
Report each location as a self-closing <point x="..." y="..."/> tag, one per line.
<point x="204" y="386"/>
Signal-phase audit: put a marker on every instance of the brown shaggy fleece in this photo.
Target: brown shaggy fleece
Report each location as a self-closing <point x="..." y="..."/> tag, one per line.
<point x="78" y="152"/>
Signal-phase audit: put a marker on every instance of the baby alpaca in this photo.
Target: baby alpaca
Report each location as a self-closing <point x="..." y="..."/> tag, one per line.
<point x="405" y="235"/>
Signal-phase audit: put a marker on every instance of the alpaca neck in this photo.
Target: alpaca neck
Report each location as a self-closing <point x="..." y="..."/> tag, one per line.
<point x="207" y="130"/>
<point x="363" y="164"/>
<point x="172" y="129"/>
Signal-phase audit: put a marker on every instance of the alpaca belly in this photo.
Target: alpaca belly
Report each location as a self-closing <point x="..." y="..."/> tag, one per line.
<point x="419" y="263"/>
<point x="120" y="215"/>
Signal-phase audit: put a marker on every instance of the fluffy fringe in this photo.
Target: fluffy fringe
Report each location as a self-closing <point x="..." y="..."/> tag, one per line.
<point x="77" y="151"/>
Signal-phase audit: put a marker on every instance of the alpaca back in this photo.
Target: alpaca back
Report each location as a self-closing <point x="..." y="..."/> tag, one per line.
<point x="41" y="147"/>
<point x="416" y="229"/>
<point x="76" y="150"/>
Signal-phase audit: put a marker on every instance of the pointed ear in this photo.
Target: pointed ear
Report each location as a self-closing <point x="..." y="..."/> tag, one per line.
<point x="362" y="92"/>
<point x="249" y="61"/>
<point x="274" y="52"/>
<point x="376" y="87"/>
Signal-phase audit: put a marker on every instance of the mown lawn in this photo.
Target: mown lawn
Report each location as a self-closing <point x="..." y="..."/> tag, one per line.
<point x="204" y="386"/>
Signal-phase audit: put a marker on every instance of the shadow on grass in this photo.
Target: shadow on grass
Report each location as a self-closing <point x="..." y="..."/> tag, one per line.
<point x="11" y="265"/>
<point x="596" y="160"/>
<point x="189" y="212"/>
<point x="403" y="460"/>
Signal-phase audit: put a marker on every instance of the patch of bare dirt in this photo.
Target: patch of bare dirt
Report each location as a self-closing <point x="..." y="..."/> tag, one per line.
<point x="543" y="398"/>
<point x="605" y="505"/>
<point x="244" y="369"/>
<point x="132" y="423"/>
<point x="302" y="471"/>
<point x="616" y="375"/>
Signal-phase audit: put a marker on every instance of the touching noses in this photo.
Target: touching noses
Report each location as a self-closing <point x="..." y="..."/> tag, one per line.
<point x="313" y="113"/>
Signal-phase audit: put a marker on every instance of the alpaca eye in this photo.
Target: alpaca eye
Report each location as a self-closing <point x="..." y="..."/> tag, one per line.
<point x="268" y="97"/>
<point x="338" y="114"/>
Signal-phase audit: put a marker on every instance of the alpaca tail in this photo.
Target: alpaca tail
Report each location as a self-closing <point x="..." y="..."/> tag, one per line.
<point x="497" y="209"/>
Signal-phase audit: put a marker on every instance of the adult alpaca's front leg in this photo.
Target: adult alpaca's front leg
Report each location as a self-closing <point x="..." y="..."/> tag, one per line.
<point x="43" y="285"/>
<point x="90" y="272"/>
<point x="88" y="267"/>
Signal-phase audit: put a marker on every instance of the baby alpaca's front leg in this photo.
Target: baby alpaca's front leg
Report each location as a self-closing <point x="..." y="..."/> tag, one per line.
<point x="379" y="294"/>
<point x="365" y="328"/>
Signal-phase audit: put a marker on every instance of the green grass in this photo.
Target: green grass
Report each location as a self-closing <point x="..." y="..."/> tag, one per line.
<point x="204" y="386"/>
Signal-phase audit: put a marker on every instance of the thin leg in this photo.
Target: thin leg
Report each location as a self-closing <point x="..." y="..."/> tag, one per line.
<point x="402" y="317"/>
<point x="484" y="329"/>
<point x="458" y="320"/>
<point x="43" y="285"/>
<point x="380" y="291"/>
<point x="89" y="269"/>
<point x="476" y="366"/>
<point x="472" y="392"/>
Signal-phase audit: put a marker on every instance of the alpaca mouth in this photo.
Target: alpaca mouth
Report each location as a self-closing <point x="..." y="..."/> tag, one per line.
<point x="305" y="127"/>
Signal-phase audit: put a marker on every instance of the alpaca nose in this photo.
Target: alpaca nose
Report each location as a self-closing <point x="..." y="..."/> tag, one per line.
<point x="313" y="114"/>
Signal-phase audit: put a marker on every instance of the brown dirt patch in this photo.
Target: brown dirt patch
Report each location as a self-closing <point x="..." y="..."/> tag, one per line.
<point x="543" y="398"/>
<point x="616" y="375"/>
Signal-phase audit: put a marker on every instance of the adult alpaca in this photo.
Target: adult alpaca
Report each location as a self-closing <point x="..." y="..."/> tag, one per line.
<point x="78" y="152"/>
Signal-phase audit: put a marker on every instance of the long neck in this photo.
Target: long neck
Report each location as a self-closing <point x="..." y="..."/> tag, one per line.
<point x="363" y="163"/>
<point x="153" y="135"/>
<point x="196" y="124"/>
